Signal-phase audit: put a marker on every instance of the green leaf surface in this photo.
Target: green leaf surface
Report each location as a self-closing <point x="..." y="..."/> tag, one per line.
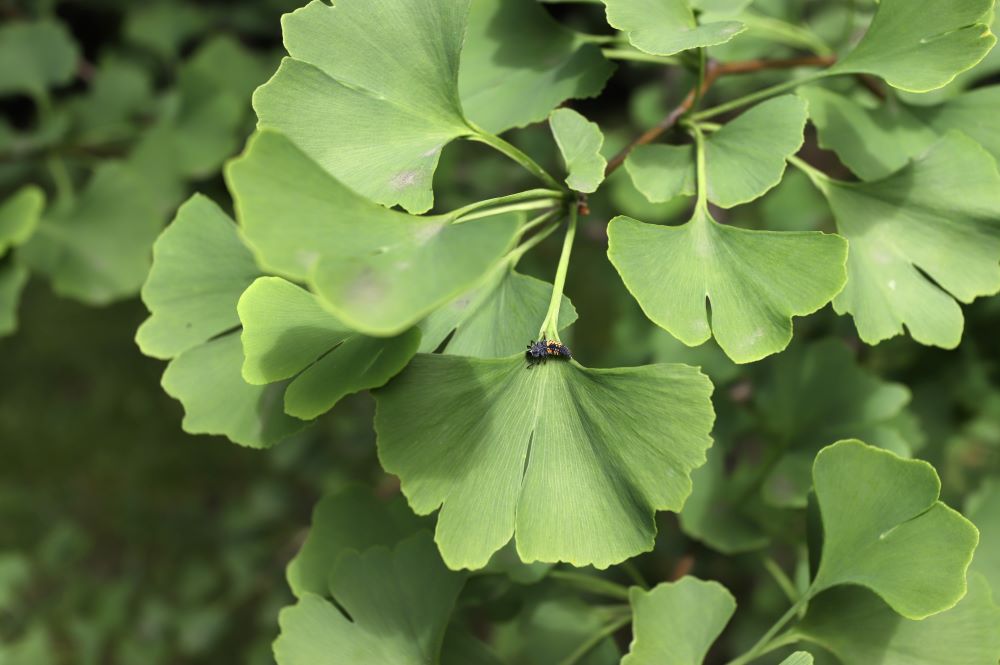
<point x="164" y="27"/>
<point x="377" y="270"/>
<point x="817" y="393"/>
<point x="608" y="447"/>
<point x="884" y="528"/>
<point x="352" y="519"/>
<point x="755" y="281"/>
<point x="973" y="112"/>
<point x="494" y="320"/>
<point x="743" y="160"/>
<point x="13" y="278"/>
<point x="371" y="92"/>
<point x="921" y="45"/>
<point x="38" y="55"/>
<point x="983" y="508"/>
<point x="937" y="219"/>
<point x="518" y="64"/>
<point x="288" y="335"/>
<point x="549" y="630"/>
<point x="859" y="628"/>
<point x="798" y="658"/>
<point x="200" y="268"/>
<point x="97" y="250"/>
<point x="19" y="215"/>
<point x="399" y="602"/>
<point x="675" y="623"/>
<point x="580" y="143"/>
<point x="206" y="379"/>
<point x="666" y="27"/>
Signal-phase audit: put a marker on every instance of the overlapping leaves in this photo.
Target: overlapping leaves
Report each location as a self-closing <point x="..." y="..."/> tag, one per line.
<point x="666" y="27"/>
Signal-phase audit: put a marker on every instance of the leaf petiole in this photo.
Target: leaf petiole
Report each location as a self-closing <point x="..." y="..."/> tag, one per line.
<point x="595" y="639"/>
<point x="550" y="325"/>
<point x="768" y="642"/>
<point x="535" y="199"/>
<point x="635" y="55"/>
<point x="591" y="584"/>
<point x="759" y="95"/>
<point x="819" y="179"/>
<point x="518" y="156"/>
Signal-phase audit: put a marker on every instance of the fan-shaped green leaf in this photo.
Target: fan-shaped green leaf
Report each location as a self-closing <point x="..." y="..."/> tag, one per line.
<point x="798" y="658"/>
<point x="756" y="281"/>
<point x="38" y="55"/>
<point x="973" y="112"/>
<point x="859" y="628"/>
<point x="13" y="277"/>
<point x="937" y="219"/>
<point x="574" y="460"/>
<point x="96" y="250"/>
<point x="676" y="623"/>
<point x="493" y="320"/>
<point x="377" y="270"/>
<point x="579" y="142"/>
<point x="550" y="629"/>
<point x="743" y="160"/>
<point x="884" y="528"/>
<point x="518" y="64"/>
<point x="983" y="508"/>
<point x="200" y="268"/>
<point x="399" y="603"/>
<point x="19" y="216"/>
<point x="666" y="27"/>
<point x="288" y="335"/>
<point x="352" y="519"/>
<point x="371" y="92"/>
<point x="920" y="45"/>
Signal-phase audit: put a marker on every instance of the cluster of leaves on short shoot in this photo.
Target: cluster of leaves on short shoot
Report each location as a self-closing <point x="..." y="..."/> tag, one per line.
<point x="341" y="274"/>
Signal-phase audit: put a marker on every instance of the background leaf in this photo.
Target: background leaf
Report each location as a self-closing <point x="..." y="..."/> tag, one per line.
<point x="45" y="53"/>
<point x="579" y="142"/>
<point x="666" y="27"/>
<point x="19" y="215"/>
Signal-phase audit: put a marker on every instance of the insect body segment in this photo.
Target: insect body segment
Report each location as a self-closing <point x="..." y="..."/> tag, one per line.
<point x="540" y="351"/>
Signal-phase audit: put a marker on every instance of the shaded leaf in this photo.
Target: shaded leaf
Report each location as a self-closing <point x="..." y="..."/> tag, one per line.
<point x="19" y="215"/>
<point x="608" y="447"/>
<point x="666" y="27"/>
<point x="755" y="281"/>
<point x="518" y="64"/>
<point x="579" y="142"/>
<point x="675" y="623"/>
<point x="937" y="219"/>
<point x="45" y="56"/>
<point x="378" y="271"/>
<point x="399" y="602"/>
<point x="371" y="92"/>
<point x="920" y="45"/>
<point x="884" y="528"/>
<point x="983" y="508"/>
<point x="551" y="629"/>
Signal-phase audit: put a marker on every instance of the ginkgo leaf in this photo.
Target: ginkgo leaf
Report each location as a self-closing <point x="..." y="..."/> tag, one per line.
<point x="378" y="271"/>
<point x="937" y="219"/>
<point x="858" y="628"/>
<point x="551" y="629"/>
<point x="755" y="281"/>
<point x="371" y="92"/>
<point x="743" y="160"/>
<point x="462" y="648"/>
<point x="518" y="64"/>
<point x="96" y="250"/>
<point x="675" y="623"/>
<point x="798" y="658"/>
<point x="973" y="112"/>
<point x="352" y="519"/>
<point x="288" y="335"/>
<point x="45" y="55"/>
<point x="983" y="508"/>
<point x="19" y="215"/>
<point x="817" y="393"/>
<point x="200" y="268"/>
<point x="920" y="45"/>
<point x="493" y="320"/>
<point x="666" y="27"/>
<point x="13" y="277"/>
<point x="571" y="460"/>
<point x="399" y="602"/>
<point x="884" y="528"/>
<point x="579" y="142"/>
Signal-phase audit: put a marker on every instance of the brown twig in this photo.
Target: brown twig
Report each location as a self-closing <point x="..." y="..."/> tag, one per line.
<point x="712" y="73"/>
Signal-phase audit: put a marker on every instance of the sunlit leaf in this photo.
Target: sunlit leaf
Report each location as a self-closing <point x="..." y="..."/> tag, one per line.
<point x="579" y="142"/>
<point x="399" y="602"/>
<point x="920" y="45"/>
<point x="19" y="215"/>
<point x="38" y="55"/>
<point x="675" y="623"/>
<point x="937" y="219"/>
<point x="798" y="658"/>
<point x="755" y="281"/>
<point x="288" y="335"/>
<point x="608" y="447"/>
<point x="518" y="64"/>
<point x="859" y="628"/>
<point x="352" y="519"/>
<point x="743" y="160"/>
<point x="377" y="270"/>
<point x="665" y="27"/>
<point x="884" y="528"/>
<point x="371" y="92"/>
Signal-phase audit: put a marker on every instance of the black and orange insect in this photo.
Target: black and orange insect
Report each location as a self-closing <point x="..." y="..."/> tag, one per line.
<point x="540" y="351"/>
